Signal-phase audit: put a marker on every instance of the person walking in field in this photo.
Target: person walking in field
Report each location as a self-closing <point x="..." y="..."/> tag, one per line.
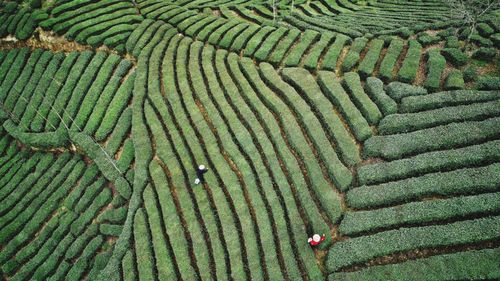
<point x="316" y="239"/>
<point x="200" y="171"/>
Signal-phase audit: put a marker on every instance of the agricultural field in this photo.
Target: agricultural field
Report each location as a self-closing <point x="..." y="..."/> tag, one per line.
<point x="374" y="122"/>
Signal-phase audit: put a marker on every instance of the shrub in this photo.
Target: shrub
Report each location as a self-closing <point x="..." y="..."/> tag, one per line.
<point x="470" y="74"/>
<point x="390" y="59"/>
<point x="481" y="41"/>
<point x="352" y="57"/>
<point x="495" y="38"/>
<point x="454" y="81"/>
<point x="484" y="29"/>
<point x="435" y="67"/>
<point x="426" y="39"/>
<point x="334" y="91"/>
<point x="419" y="212"/>
<point x="457" y="182"/>
<point x="442" y="99"/>
<point x="398" y="123"/>
<point x="429" y="162"/>
<point x="10" y="7"/>
<point x="398" y="90"/>
<point x="454" y="266"/>
<point x="375" y="89"/>
<point x="367" y="66"/>
<point x="446" y="136"/>
<point x="333" y="53"/>
<point x="452" y="42"/>
<point x="408" y="71"/>
<point x="367" y="107"/>
<point x="485" y="53"/>
<point x="488" y="83"/>
<point x="36" y="4"/>
<point x="456" y="57"/>
<point x="308" y="38"/>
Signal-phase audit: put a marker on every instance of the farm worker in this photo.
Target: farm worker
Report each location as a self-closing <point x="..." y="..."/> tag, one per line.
<point x="199" y="173"/>
<point x="316" y="239"/>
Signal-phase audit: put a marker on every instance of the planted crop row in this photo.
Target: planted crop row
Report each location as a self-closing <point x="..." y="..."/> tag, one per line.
<point x="94" y="23"/>
<point x="46" y="95"/>
<point x="355" y="223"/>
<point x="440" y="137"/>
<point x="354" y="250"/>
<point x="453" y="266"/>
<point x="430" y="162"/>
<point x="401" y="123"/>
<point x="456" y="182"/>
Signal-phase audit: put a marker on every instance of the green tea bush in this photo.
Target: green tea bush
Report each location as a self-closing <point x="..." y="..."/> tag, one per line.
<point x="457" y="182"/>
<point x="389" y="62"/>
<point x="446" y="136"/>
<point x="456" y="57"/>
<point x="405" y="239"/>
<point x="435" y="67"/>
<point x="454" y="81"/>
<point x="398" y="90"/>
<point x="408" y="71"/>
<point x="429" y="162"/>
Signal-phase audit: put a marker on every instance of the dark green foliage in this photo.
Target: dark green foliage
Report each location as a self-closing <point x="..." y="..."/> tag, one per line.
<point x="454" y="81"/>
<point x="408" y="71"/>
<point x="470" y="74"/>
<point x="404" y="239"/>
<point x="367" y="107"/>
<point x="143" y="246"/>
<point x="427" y="40"/>
<point x="110" y="229"/>
<point x="333" y="53"/>
<point x="36" y="3"/>
<point x="367" y="66"/>
<point x="10" y="7"/>
<point x="398" y="90"/>
<point x="103" y="160"/>
<point x="352" y="57"/>
<point x="430" y="162"/>
<point x="447" y="136"/>
<point x="336" y="94"/>
<point x="113" y="215"/>
<point x="375" y="89"/>
<point x="419" y="212"/>
<point x="452" y="42"/>
<point x="484" y="29"/>
<point x="496" y="39"/>
<point x="455" y="56"/>
<point x="488" y="83"/>
<point x="435" y="67"/>
<point x="398" y="123"/>
<point x="437" y="100"/>
<point x="481" y="41"/>
<point x="453" y="266"/>
<point x="485" y="54"/>
<point x="390" y="58"/>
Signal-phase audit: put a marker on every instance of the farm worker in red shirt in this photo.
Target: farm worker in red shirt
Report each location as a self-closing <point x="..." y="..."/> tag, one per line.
<point x="316" y="239"/>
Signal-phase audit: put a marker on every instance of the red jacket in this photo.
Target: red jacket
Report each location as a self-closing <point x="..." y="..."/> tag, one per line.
<point x="314" y="243"/>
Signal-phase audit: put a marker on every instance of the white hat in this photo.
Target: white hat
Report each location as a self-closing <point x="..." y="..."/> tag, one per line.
<point x="316" y="237"/>
<point x="201" y="167"/>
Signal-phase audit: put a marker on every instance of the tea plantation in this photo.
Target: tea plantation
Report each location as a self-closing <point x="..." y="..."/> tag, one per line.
<point x="374" y="122"/>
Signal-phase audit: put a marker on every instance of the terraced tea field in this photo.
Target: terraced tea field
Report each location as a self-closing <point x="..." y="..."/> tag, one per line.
<point x="376" y="123"/>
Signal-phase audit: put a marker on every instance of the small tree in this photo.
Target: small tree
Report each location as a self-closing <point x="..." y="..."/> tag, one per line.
<point x="470" y="11"/>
